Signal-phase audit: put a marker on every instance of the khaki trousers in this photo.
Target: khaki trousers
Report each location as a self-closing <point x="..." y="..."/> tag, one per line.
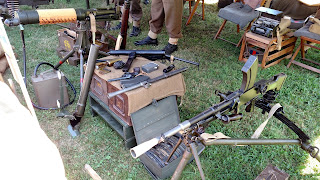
<point x="168" y="12"/>
<point x="135" y="10"/>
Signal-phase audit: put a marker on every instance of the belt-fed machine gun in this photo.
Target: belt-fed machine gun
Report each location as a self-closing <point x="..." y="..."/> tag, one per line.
<point x="55" y="16"/>
<point x="228" y="110"/>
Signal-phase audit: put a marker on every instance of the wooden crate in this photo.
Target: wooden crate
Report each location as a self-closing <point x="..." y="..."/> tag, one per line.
<point x="265" y="48"/>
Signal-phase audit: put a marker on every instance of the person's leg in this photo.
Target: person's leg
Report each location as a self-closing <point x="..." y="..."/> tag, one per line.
<point x="136" y="15"/>
<point x="156" y="24"/>
<point x="173" y="19"/>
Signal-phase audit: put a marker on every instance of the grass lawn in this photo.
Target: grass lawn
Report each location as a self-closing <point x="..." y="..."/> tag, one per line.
<point x="220" y="69"/>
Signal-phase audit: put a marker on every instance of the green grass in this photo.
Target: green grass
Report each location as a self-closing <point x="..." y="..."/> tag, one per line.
<point x="220" y="69"/>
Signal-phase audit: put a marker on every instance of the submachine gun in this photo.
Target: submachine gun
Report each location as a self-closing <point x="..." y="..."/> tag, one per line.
<point x="228" y="110"/>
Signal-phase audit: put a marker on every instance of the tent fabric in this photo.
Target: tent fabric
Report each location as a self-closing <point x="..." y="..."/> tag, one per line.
<point x="293" y="8"/>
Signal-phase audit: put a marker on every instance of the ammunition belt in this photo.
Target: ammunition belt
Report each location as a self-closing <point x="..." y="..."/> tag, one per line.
<point x="160" y="153"/>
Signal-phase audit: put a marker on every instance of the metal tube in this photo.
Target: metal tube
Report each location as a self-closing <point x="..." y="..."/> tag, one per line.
<point x="182" y="164"/>
<point x="110" y="95"/>
<point x="196" y="158"/>
<point x="70" y="53"/>
<point x="24" y="55"/>
<point x="252" y="142"/>
<point x="93" y="54"/>
<point x="174" y="149"/>
<point x="81" y="68"/>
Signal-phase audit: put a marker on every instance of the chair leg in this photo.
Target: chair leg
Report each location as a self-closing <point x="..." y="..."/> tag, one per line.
<point x="244" y="34"/>
<point x="243" y="48"/>
<point x="190" y="7"/>
<point x="220" y="29"/>
<point x="238" y="28"/>
<point x="202" y="9"/>
<point x="302" y="48"/>
<point x="294" y="56"/>
<point x="192" y="12"/>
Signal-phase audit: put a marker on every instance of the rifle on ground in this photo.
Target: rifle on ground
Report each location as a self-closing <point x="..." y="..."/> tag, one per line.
<point x="248" y="95"/>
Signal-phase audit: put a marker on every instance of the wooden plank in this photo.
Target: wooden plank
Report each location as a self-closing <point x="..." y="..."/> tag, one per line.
<point x="257" y="37"/>
<point x="275" y="62"/>
<point x="257" y="43"/>
<point x="294" y="56"/>
<point x="306" y="66"/>
<point x="309" y="60"/>
<point x="94" y="175"/>
<point x="280" y="53"/>
<point x="284" y="43"/>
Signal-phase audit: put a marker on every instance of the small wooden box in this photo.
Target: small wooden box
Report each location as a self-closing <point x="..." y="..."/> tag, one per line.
<point x="265" y="48"/>
<point x="98" y="87"/>
<point x="67" y="39"/>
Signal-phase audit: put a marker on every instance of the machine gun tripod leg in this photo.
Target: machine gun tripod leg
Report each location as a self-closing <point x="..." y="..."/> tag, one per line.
<point x="189" y="151"/>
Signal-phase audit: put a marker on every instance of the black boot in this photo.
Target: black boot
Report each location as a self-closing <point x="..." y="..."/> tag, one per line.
<point x="146" y="2"/>
<point x="170" y="48"/>
<point x="147" y="41"/>
<point x="135" y="31"/>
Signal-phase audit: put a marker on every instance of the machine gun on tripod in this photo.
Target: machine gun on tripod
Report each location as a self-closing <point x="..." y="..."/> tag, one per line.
<point x="193" y="129"/>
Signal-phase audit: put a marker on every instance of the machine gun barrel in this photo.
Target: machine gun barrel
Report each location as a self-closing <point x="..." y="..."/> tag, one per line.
<point x="150" y="54"/>
<point x="220" y="107"/>
<point x="54" y="16"/>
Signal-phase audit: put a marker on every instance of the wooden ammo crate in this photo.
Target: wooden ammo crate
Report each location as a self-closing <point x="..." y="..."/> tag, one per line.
<point x="118" y="104"/>
<point x="265" y="48"/>
<point x="98" y="87"/>
<point x="67" y="39"/>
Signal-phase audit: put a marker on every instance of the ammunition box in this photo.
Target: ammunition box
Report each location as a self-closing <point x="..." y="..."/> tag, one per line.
<point x="118" y="104"/>
<point x="99" y="88"/>
<point x="67" y="39"/>
<point x="151" y="121"/>
<point x="47" y="89"/>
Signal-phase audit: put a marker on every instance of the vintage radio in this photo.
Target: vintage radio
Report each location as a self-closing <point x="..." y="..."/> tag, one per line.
<point x="267" y="22"/>
<point x="265" y="27"/>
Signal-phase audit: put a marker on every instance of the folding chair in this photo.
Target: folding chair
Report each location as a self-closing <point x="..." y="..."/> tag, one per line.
<point x="240" y="13"/>
<point x="307" y="38"/>
<point x="193" y="10"/>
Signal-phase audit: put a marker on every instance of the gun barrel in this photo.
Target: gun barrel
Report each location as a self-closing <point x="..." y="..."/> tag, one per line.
<point x="54" y="16"/>
<point x="110" y="95"/>
<point x="146" y="146"/>
<point x="138" y="52"/>
<point x="180" y="59"/>
<point x="150" y="54"/>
